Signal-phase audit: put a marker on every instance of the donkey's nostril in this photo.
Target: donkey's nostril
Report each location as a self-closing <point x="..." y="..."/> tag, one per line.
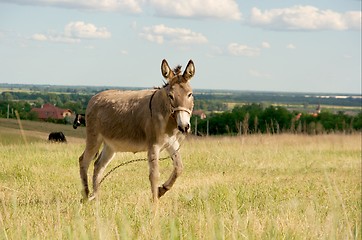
<point x="187" y="127"/>
<point x="184" y="129"/>
<point x="181" y="129"/>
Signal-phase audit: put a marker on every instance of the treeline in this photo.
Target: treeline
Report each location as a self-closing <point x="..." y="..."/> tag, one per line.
<point x="253" y="118"/>
<point x="210" y="105"/>
<point x="21" y="101"/>
<point x="279" y="97"/>
<point x="246" y="119"/>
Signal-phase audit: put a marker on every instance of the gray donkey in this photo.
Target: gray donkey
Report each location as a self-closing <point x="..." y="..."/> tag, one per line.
<point x="135" y="121"/>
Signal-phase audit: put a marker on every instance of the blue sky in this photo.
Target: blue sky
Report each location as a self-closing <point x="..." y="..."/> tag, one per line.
<point x="297" y="45"/>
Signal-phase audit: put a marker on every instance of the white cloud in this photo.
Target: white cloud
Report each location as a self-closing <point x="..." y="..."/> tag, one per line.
<point x="265" y="45"/>
<point x="132" y="6"/>
<point x="353" y="19"/>
<point x="39" y="37"/>
<point x="291" y="46"/>
<point x="161" y="33"/>
<point x="305" y="18"/>
<point x="226" y="9"/>
<point x="124" y="52"/>
<point x="54" y="38"/>
<point x="83" y="30"/>
<point x="258" y="74"/>
<point x="243" y="50"/>
<point x="73" y="33"/>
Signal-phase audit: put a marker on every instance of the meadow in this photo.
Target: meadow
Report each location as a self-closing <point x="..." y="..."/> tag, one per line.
<point x="247" y="187"/>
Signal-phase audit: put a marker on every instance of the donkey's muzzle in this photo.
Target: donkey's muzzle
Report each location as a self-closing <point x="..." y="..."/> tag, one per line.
<point x="183" y="119"/>
<point x="184" y="129"/>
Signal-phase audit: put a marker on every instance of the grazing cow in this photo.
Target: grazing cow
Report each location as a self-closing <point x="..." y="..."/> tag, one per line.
<point x="79" y="120"/>
<point x="57" y="137"/>
<point x="136" y="121"/>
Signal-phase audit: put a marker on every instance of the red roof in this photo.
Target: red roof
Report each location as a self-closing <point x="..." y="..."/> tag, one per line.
<point x="50" y="111"/>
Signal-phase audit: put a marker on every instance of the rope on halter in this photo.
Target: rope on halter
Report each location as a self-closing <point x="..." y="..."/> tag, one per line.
<point x="150" y="103"/>
<point x="181" y="109"/>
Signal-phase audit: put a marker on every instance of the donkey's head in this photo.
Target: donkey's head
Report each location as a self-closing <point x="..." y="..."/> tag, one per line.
<point x="179" y="93"/>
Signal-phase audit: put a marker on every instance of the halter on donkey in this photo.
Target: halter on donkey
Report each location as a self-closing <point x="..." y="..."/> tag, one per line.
<point x="135" y="121"/>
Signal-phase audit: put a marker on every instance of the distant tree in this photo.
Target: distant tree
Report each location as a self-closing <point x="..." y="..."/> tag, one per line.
<point x="326" y="118"/>
<point x="39" y="102"/>
<point x="357" y="121"/>
<point x="275" y="119"/>
<point x="32" y="116"/>
<point x="54" y="99"/>
<point x="7" y="96"/>
<point x="74" y="106"/>
<point x="65" y="98"/>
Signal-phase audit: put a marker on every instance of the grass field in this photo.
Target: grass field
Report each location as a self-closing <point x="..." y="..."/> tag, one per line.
<point x="252" y="187"/>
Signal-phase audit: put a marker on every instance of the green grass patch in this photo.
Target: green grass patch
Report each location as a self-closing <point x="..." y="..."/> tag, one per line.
<point x="14" y="138"/>
<point x="253" y="187"/>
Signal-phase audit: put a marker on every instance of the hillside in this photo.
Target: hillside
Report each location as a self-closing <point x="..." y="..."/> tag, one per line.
<point x="38" y="130"/>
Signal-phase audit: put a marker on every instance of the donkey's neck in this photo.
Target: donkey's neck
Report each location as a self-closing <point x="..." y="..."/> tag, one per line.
<point x="160" y="104"/>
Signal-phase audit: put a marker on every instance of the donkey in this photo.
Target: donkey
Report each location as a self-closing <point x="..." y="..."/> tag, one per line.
<point x="136" y="121"/>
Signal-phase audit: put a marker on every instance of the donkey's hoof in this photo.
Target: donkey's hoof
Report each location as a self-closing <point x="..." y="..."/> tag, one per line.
<point x="83" y="200"/>
<point x="161" y="191"/>
<point x="88" y="199"/>
<point x="92" y="197"/>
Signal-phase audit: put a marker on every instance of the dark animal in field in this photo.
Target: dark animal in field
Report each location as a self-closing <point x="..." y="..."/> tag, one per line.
<point x="57" y="137"/>
<point x="135" y="121"/>
<point x="79" y="120"/>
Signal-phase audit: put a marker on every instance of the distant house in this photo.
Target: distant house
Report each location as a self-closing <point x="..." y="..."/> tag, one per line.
<point x="199" y="113"/>
<point x="50" y="111"/>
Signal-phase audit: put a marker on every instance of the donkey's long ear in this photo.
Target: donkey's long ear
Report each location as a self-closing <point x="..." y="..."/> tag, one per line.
<point x="189" y="71"/>
<point x="166" y="70"/>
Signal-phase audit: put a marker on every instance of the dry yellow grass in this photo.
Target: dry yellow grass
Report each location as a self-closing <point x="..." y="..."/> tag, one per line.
<point x="253" y="187"/>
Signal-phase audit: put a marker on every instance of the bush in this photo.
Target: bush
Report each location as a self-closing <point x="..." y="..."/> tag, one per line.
<point x="252" y="118"/>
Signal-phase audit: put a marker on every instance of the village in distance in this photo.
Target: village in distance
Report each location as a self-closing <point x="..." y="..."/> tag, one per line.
<point x="216" y="112"/>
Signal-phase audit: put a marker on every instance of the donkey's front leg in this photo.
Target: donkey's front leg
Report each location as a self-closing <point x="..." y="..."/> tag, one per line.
<point x="153" y="155"/>
<point x="178" y="166"/>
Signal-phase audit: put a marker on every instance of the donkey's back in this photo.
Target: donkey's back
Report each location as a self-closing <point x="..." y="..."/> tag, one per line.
<point x="120" y="119"/>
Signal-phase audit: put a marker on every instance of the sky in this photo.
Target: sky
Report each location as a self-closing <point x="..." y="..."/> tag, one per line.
<point x="288" y="46"/>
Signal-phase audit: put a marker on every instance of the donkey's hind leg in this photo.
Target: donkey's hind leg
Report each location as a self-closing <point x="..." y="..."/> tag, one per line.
<point x="84" y="161"/>
<point x="177" y="170"/>
<point x="88" y="155"/>
<point x="99" y="166"/>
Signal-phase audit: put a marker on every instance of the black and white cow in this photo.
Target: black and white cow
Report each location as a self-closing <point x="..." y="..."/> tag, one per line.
<point x="79" y="120"/>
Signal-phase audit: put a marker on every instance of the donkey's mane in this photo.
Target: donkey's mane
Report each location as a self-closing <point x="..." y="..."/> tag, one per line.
<point x="177" y="70"/>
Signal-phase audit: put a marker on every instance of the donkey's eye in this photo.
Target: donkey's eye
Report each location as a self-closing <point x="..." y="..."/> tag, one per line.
<point x="189" y="95"/>
<point x="170" y="96"/>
